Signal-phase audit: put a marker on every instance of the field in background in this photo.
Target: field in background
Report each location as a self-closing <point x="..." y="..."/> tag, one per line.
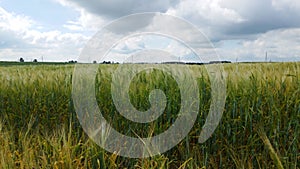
<point x="260" y="127"/>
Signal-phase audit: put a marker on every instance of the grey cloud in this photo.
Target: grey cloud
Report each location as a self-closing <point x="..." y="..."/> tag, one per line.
<point x="130" y="24"/>
<point x="118" y="8"/>
<point x="260" y="17"/>
<point x="246" y="20"/>
<point x="236" y="19"/>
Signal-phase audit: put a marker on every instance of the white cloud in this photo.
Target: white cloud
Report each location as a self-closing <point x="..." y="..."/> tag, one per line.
<point x="87" y="21"/>
<point x="26" y="39"/>
<point x="206" y="10"/>
<point x="73" y="26"/>
<point x="281" y="45"/>
<point x="13" y="22"/>
<point x="90" y="21"/>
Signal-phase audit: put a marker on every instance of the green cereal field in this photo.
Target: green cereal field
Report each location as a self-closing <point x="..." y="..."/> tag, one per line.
<point x="260" y="127"/>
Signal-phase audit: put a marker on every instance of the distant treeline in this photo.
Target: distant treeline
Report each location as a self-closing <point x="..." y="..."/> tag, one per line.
<point x="186" y="63"/>
<point x="35" y="61"/>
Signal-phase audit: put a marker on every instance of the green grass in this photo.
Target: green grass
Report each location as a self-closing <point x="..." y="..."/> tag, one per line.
<point x="260" y="127"/>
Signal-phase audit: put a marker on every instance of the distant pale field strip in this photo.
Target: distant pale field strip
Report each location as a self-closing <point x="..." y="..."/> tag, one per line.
<point x="39" y="128"/>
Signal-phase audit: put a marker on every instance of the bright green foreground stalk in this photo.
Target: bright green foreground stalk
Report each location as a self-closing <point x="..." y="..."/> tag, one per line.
<point x="270" y="148"/>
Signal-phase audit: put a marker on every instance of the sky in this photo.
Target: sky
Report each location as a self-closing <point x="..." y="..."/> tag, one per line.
<point x="58" y="30"/>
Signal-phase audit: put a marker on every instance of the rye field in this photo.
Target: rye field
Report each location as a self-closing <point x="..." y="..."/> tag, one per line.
<point x="260" y="127"/>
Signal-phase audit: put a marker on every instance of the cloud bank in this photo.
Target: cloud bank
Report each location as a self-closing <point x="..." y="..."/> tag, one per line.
<point x="240" y="30"/>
